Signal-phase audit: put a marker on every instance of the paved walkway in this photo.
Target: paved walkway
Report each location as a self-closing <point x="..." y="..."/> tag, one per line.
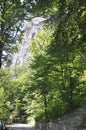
<point x="19" y="127"/>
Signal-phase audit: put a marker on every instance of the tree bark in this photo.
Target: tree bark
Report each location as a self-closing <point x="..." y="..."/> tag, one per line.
<point x="45" y="107"/>
<point x="2" y="26"/>
<point x="1" y="49"/>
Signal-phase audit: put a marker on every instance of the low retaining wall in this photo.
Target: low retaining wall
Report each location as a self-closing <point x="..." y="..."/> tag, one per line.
<point x="56" y="126"/>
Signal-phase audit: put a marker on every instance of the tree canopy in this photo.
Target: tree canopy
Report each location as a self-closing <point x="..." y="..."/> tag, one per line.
<point x="55" y="80"/>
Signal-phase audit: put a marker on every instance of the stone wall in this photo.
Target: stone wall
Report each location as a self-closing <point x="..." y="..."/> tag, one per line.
<point x="56" y="126"/>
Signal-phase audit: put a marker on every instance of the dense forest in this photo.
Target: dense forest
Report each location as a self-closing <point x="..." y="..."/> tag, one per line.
<point x="53" y="81"/>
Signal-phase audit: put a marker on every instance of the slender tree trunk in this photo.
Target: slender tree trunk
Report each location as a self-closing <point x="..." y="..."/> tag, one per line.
<point x="1" y="49"/>
<point x="45" y="107"/>
<point x="71" y="99"/>
<point x="71" y="93"/>
<point x="2" y="31"/>
<point x="0" y="59"/>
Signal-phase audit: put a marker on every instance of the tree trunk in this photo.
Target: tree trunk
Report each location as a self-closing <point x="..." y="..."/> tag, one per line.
<point x="71" y="86"/>
<point x="1" y="49"/>
<point x="2" y="31"/>
<point x="45" y="107"/>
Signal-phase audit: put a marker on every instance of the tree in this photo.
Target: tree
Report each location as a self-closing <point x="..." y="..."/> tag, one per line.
<point x="43" y="90"/>
<point x="40" y="67"/>
<point x="5" y="95"/>
<point x="68" y="43"/>
<point x="67" y="48"/>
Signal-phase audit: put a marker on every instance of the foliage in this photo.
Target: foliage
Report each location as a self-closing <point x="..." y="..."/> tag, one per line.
<point x="11" y="97"/>
<point x="55" y="80"/>
<point x="59" y="66"/>
<point x="4" y="88"/>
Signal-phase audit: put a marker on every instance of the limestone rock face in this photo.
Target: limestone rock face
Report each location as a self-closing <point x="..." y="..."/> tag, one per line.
<point x="23" y="48"/>
<point x="31" y="30"/>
